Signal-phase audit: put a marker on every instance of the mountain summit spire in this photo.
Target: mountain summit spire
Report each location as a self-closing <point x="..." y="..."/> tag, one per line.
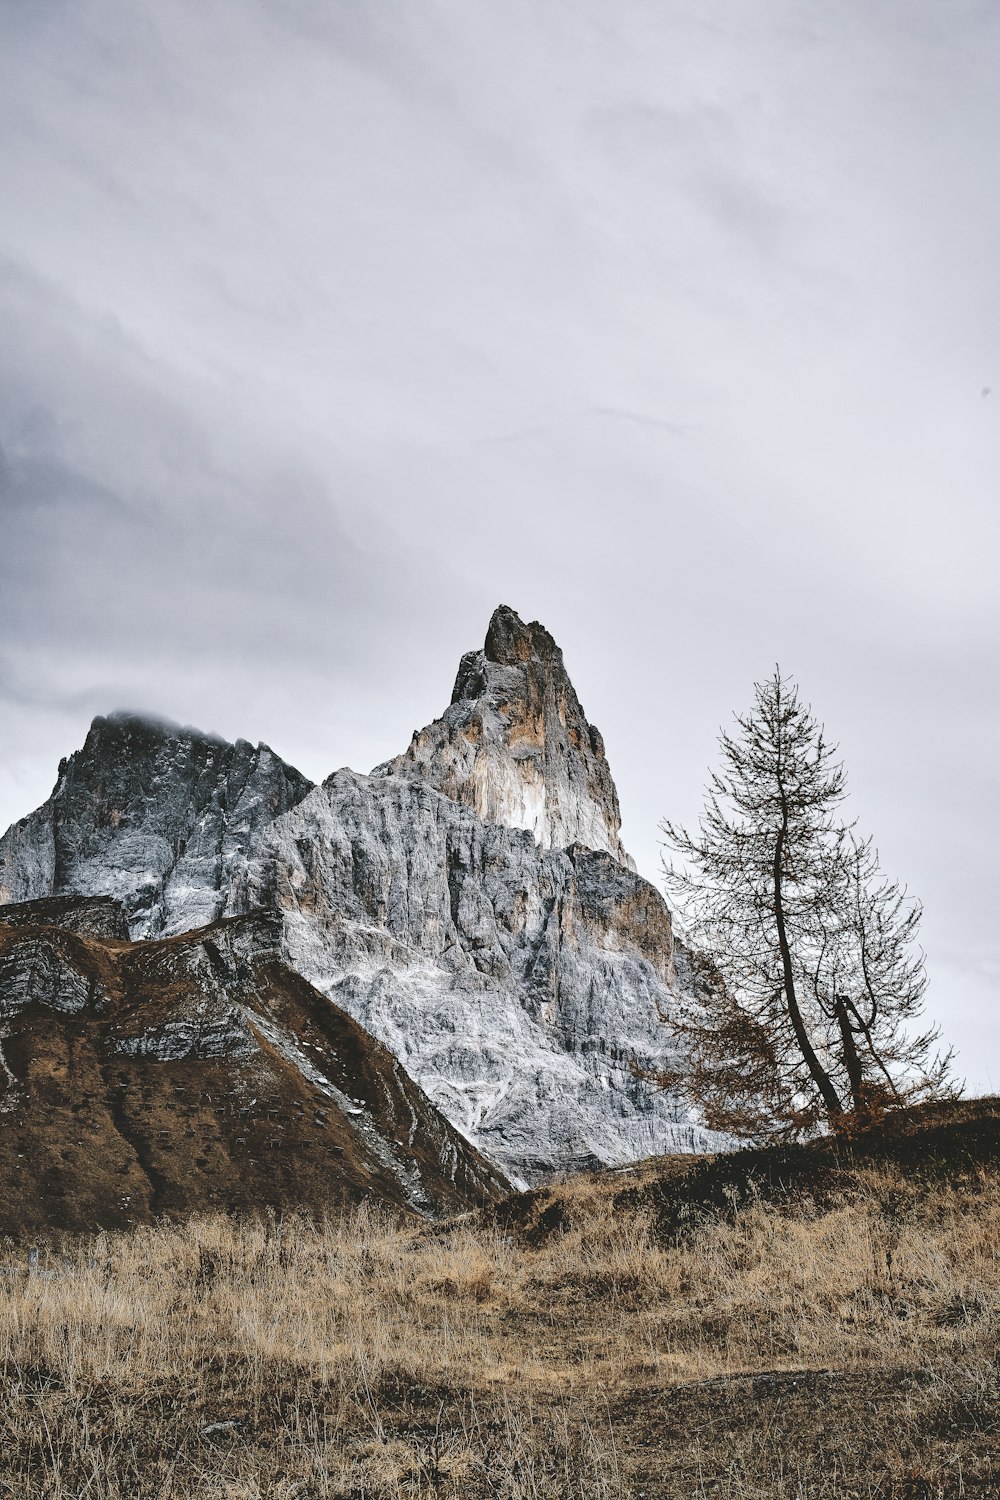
<point x="515" y="744"/>
<point x="509" y="641"/>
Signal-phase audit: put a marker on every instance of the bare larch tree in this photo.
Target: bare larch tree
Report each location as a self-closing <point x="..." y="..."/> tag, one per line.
<point x="808" y="973"/>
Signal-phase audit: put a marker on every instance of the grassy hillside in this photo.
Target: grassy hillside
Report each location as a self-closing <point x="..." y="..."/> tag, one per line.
<point x="819" y="1322"/>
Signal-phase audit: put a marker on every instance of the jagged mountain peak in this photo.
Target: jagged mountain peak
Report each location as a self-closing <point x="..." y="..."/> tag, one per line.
<point x="124" y="724"/>
<point x="509" y="643"/>
<point x="142" y="737"/>
<point x="509" y="640"/>
<point x="157" y="816"/>
<point x="470" y="902"/>
<point x="515" y="745"/>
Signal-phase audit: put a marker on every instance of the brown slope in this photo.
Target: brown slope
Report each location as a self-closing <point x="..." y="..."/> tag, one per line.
<point x="950" y="1144"/>
<point x="156" y="1079"/>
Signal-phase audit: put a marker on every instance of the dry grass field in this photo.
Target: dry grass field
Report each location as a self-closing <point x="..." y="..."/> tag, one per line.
<point x="822" y="1326"/>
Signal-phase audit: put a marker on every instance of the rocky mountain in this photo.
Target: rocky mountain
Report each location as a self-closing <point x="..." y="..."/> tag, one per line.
<point x="470" y="902"/>
<point x="155" y="1078"/>
<point x="161" y="818"/>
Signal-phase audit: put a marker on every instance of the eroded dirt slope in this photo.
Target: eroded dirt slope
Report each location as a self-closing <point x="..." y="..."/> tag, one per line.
<point x="156" y="1079"/>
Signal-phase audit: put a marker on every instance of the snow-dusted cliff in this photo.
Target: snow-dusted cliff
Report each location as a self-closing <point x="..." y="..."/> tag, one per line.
<point x="469" y="903"/>
<point x="516" y="984"/>
<point x="160" y="818"/>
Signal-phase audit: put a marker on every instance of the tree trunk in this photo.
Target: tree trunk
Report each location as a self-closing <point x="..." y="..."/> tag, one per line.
<point x="852" y="1061"/>
<point x="817" y="1072"/>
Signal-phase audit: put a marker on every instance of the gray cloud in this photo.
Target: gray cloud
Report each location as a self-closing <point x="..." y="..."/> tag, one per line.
<point x="327" y="327"/>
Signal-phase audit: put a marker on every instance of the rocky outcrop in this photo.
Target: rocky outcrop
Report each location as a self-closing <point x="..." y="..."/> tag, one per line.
<point x="162" y="819"/>
<point x="514" y="744"/>
<point x="139" y="1080"/>
<point x="93" y="916"/>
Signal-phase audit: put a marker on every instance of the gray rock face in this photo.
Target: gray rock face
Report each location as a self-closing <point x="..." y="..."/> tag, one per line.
<point x="213" y="969"/>
<point x="35" y="971"/>
<point x="159" y="818"/>
<point x="514" y="744"/>
<point x="516" y="984"/>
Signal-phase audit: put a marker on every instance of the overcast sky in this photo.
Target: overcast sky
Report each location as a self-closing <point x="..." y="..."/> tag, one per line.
<point x="327" y="325"/>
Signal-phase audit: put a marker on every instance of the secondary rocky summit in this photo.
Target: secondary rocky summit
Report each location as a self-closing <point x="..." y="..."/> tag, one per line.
<point x="469" y="902"/>
<point x="161" y="818"/>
